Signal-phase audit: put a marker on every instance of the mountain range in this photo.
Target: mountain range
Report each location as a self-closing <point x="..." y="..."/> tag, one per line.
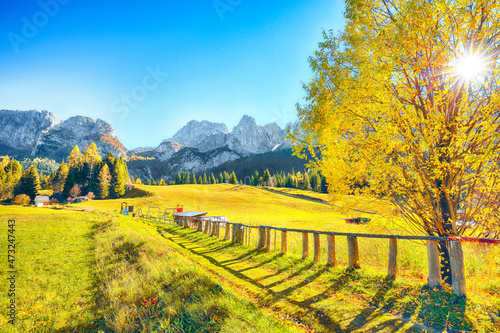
<point x="198" y="146"/>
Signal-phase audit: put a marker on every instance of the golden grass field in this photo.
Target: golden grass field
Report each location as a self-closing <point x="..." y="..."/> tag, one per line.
<point x="255" y="206"/>
<point x="67" y="267"/>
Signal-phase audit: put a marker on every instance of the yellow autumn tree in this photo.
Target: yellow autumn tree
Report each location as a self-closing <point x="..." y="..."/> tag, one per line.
<point x="91" y="154"/>
<point x="74" y="157"/>
<point x="404" y="103"/>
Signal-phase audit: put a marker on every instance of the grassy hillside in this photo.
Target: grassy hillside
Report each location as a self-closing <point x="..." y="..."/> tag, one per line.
<point x="88" y="271"/>
<point x="255" y="206"/>
<point x="242" y="204"/>
<point x="100" y="272"/>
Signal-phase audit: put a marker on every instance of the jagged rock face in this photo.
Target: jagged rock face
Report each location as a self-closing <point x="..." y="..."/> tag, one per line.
<point x="191" y="159"/>
<point x="292" y="128"/>
<point x="249" y="138"/>
<point x="203" y="135"/>
<point x="58" y="142"/>
<point x="166" y="149"/>
<point x="21" y="130"/>
<point x="186" y="159"/>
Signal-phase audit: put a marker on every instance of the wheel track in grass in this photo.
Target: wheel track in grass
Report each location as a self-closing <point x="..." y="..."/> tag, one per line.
<point x="286" y="292"/>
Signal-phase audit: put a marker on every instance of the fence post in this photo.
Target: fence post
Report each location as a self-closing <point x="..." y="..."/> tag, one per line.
<point x="305" y="245"/>
<point x="331" y="260"/>
<point x="353" y="252"/>
<point x="268" y="239"/>
<point x="241" y="238"/>
<point x="284" y="245"/>
<point x="392" y="271"/>
<point x="205" y="229"/>
<point x="228" y="231"/>
<point x="200" y="225"/>
<point x="457" y="268"/>
<point x="235" y="230"/>
<point x="434" y="279"/>
<point x="316" y="247"/>
<point x="262" y="238"/>
<point x="249" y="235"/>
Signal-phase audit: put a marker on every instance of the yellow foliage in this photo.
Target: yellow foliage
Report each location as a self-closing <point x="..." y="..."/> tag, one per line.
<point x="393" y="113"/>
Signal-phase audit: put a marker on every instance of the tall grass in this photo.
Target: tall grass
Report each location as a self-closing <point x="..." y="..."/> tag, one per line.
<point x="146" y="287"/>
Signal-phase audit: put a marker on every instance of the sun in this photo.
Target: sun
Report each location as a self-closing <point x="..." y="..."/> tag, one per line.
<point x="469" y="67"/>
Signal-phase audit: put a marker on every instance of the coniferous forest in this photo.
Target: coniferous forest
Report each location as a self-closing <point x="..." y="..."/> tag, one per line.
<point x="83" y="174"/>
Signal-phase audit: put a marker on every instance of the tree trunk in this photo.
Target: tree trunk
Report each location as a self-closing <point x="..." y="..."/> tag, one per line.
<point x="444" y="252"/>
<point x="444" y="255"/>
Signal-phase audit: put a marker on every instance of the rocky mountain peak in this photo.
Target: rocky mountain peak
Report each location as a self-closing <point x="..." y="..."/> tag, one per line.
<point x="22" y="129"/>
<point x="204" y="135"/>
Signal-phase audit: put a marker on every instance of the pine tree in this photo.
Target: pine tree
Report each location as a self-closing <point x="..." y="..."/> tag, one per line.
<point x="162" y="182"/>
<point x="212" y="179"/>
<point x="193" y="179"/>
<point x="266" y="177"/>
<point x="104" y="182"/>
<point x="94" y="180"/>
<point x="30" y="182"/>
<point x="72" y="179"/>
<point x="178" y="179"/>
<point x="119" y="174"/>
<point x="205" y="178"/>
<point x="315" y="182"/>
<point x="306" y="181"/>
<point x="324" y="184"/>
<point x="200" y="180"/>
<point x="138" y="181"/>
<point x="186" y="178"/>
<point x="221" y="178"/>
<point x="256" y="179"/>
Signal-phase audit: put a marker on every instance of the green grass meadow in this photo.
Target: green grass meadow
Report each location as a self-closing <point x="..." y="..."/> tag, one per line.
<point x="86" y="268"/>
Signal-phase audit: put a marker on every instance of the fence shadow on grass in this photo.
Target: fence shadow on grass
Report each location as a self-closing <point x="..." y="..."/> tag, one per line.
<point x="329" y="324"/>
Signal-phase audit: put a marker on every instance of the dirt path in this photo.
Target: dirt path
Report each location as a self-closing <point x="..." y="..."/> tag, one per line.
<point x="296" y="291"/>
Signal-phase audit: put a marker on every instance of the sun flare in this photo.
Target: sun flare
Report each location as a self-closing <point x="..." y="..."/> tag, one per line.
<point x="469" y="67"/>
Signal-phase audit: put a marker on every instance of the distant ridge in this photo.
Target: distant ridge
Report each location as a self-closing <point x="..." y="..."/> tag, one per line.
<point x="197" y="146"/>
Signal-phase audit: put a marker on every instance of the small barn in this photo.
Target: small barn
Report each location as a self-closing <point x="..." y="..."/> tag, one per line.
<point x="41" y="200"/>
<point x="186" y="218"/>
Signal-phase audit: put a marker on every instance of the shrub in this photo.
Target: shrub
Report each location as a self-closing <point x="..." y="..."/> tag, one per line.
<point x="53" y="201"/>
<point x="90" y="195"/>
<point x="75" y="191"/>
<point x="21" y="199"/>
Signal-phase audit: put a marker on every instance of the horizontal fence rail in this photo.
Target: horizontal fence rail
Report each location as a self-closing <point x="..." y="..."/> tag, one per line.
<point x="268" y="238"/>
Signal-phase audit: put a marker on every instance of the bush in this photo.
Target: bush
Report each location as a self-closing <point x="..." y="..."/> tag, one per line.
<point x="75" y="191"/>
<point x="90" y="195"/>
<point x="21" y="200"/>
<point x="53" y="201"/>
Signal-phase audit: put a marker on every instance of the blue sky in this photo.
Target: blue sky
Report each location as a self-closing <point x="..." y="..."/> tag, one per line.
<point x="148" y="67"/>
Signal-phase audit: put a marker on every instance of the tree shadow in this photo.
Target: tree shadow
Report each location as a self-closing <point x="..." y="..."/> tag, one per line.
<point x="442" y="311"/>
<point x="438" y="311"/>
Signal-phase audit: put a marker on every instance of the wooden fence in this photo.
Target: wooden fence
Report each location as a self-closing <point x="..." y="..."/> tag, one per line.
<point x="241" y="234"/>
